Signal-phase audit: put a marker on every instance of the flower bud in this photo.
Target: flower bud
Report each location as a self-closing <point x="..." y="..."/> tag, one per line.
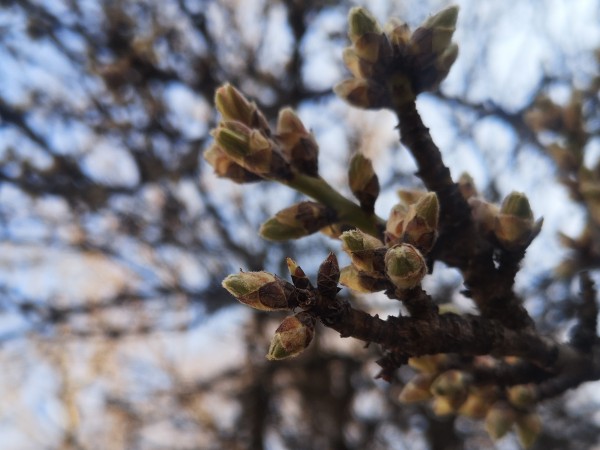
<point x="529" y="427"/>
<point x="362" y="282"/>
<point x="514" y="226"/>
<point x="233" y="106"/>
<point x="328" y="277"/>
<point x="453" y="386"/>
<point x="292" y="336"/>
<point x="299" y="220"/>
<point x="361" y="22"/>
<point x="297" y="143"/>
<point x="299" y="278"/>
<point x="359" y="67"/>
<point x="394" y="228"/>
<point x="405" y="266"/>
<point x="421" y="222"/>
<point x="522" y="395"/>
<point x="362" y="93"/>
<point x="476" y="406"/>
<point x="417" y="389"/>
<point x="227" y="168"/>
<point x="260" y="290"/>
<point x="363" y="181"/>
<point x="499" y="420"/>
<point x="362" y="249"/>
<point x="234" y="139"/>
<point x="397" y="32"/>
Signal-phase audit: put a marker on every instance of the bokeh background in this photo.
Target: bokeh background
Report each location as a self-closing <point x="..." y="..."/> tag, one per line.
<point x="115" y="234"/>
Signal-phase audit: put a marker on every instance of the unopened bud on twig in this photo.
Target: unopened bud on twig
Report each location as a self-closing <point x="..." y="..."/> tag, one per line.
<point x="362" y="93"/>
<point x="529" y="427"/>
<point x="361" y="22"/>
<point x="301" y="219"/>
<point x="261" y="290"/>
<point x="233" y="106"/>
<point x="297" y="143"/>
<point x="292" y="337"/>
<point x="362" y="250"/>
<point x="499" y="420"/>
<point x="522" y="395"/>
<point x="363" y="181"/>
<point x="453" y="386"/>
<point x="225" y="167"/>
<point x="514" y="226"/>
<point x="360" y="281"/>
<point x="421" y="222"/>
<point x="405" y="266"/>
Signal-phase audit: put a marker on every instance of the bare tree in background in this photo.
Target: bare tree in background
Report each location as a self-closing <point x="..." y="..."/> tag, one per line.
<point x="116" y="235"/>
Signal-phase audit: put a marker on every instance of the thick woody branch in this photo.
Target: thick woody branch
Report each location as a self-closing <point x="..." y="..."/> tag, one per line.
<point x="459" y="245"/>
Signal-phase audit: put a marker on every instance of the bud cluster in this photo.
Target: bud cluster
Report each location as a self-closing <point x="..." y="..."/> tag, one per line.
<point x="392" y="65"/>
<point x="245" y="150"/>
<point x="453" y="392"/>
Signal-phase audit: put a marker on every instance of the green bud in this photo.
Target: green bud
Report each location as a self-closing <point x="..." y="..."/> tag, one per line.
<point x="529" y="427"/>
<point x="363" y="181"/>
<point x="421" y="222"/>
<point x="363" y="250"/>
<point x="361" y="22"/>
<point x="499" y="420"/>
<point x="292" y="337"/>
<point x="260" y="290"/>
<point x="446" y="18"/>
<point x="299" y="220"/>
<point x="299" y="278"/>
<point x="522" y="395"/>
<point x="416" y="390"/>
<point x="234" y="139"/>
<point x="451" y="383"/>
<point x="234" y="106"/>
<point x="227" y="168"/>
<point x="514" y="225"/>
<point x="477" y="404"/>
<point x="405" y="266"/>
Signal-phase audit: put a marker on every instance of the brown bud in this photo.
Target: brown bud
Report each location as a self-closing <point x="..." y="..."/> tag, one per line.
<point x="363" y="181"/>
<point x="357" y="66"/>
<point x="328" y="277"/>
<point x="292" y="337"/>
<point x="359" y="281"/>
<point x="484" y="214"/>
<point x="397" y="32"/>
<point x="261" y="290"/>
<point x="227" y="168"/>
<point x="362" y="93"/>
<point x="299" y="278"/>
<point x="394" y="228"/>
<point x="299" y="220"/>
<point x="297" y="143"/>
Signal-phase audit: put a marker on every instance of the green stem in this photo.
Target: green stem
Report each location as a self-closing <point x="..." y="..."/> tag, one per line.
<point x="347" y="211"/>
